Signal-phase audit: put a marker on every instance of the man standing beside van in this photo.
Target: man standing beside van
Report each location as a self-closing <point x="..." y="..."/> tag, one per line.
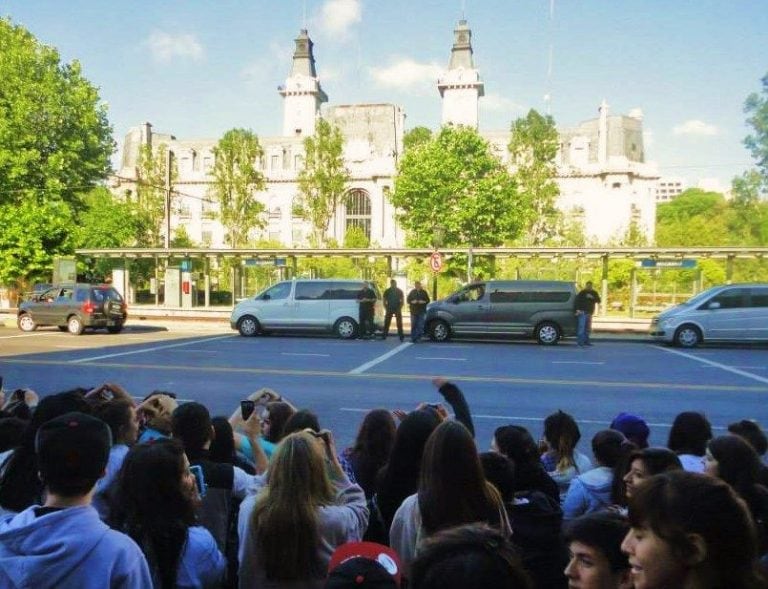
<point x="417" y="303"/>
<point x="366" y="299"/>
<point x="393" y="305"/>
<point x="586" y="301"/>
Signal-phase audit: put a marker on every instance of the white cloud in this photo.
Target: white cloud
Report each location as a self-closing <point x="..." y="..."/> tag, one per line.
<point x="494" y="102"/>
<point x="272" y="67"/>
<point x="695" y="127"/>
<point x="165" y="46"/>
<point x="407" y="74"/>
<point x="338" y="16"/>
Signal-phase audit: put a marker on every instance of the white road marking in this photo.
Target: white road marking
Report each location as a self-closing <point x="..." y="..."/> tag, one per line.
<point x="742" y="367"/>
<point x="302" y="354"/>
<point x="363" y="367"/>
<point x="440" y="358"/>
<point x="532" y="419"/>
<point x="716" y="365"/>
<point x="92" y="358"/>
<point x="574" y="362"/>
<point x="28" y="335"/>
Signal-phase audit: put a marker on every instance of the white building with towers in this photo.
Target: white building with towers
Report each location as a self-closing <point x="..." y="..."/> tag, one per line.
<point x="604" y="181"/>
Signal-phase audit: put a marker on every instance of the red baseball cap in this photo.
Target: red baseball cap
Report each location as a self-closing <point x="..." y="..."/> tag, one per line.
<point x="364" y="565"/>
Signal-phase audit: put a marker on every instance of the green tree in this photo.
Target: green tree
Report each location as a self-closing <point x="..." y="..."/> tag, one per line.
<point x="236" y="182"/>
<point x="323" y="179"/>
<point x="696" y="217"/>
<point x="533" y="148"/>
<point x="455" y="183"/>
<point x="415" y="137"/>
<point x="756" y="107"/>
<point x="152" y="178"/>
<point x="55" y="140"/>
<point x="108" y="222"/>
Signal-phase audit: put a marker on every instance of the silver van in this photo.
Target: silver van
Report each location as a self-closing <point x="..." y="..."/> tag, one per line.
<point x="524" y="308"/>
<point x="327" y="305"/>
<point x="731" y="313"/>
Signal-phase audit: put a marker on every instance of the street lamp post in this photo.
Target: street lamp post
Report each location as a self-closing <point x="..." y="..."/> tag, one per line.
<point x="438" y="234"/>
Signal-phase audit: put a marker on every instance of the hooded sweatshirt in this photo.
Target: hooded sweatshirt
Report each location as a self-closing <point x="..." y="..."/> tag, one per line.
<point x="68" y="548"/>
<point x="588" y="492"/>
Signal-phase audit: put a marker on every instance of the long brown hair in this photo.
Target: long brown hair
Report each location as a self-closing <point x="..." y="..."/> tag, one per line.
<point x="285" y="516"/>
<point x="453" y="489"/>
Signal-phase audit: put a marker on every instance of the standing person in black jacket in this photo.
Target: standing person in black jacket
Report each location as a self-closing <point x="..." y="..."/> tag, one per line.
<point x="417" y="303"/>
<point x="586" y="301"/>
<point x="366" y="298"/>
<point x="393" y="305"/>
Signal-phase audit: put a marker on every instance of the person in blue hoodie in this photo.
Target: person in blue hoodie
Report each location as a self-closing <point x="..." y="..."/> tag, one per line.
<point x="63" y="543"/>
<point x="591" y="491"/>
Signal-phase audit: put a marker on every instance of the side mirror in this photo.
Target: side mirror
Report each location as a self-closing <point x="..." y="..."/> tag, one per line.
<point x="713" y="305"/>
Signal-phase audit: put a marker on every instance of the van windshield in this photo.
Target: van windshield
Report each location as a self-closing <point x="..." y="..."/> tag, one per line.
<point x="696" y="299"/>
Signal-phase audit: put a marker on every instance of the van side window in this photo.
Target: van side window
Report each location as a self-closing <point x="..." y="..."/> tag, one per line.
<point x="730" y="299"/>
<point x="81" y="295"/>
<point x="759" y="297"/>
<point x="471" y="293"/>
<point x="530" y="296"/>
<point x="280" y="291"/>
<point x="311" y="291"/>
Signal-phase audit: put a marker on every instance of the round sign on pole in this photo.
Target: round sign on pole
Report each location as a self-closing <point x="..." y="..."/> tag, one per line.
<point x="436" y="261"/>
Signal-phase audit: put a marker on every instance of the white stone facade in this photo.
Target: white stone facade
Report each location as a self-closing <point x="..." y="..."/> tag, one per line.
<point x="602" y="174"/>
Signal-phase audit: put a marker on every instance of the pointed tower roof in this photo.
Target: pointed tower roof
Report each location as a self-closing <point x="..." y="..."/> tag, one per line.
<point x="303" y="57"/>
<point x="461" y="53"/>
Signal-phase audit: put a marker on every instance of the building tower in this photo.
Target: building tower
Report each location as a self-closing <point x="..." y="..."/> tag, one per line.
<point x="302" y="94"/>
<point x="460" y="87"/>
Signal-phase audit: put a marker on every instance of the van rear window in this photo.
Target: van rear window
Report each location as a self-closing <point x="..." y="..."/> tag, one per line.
<point x="530" y="296"/>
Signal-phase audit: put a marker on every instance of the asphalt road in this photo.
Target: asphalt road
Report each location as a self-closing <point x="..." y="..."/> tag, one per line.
<point x="504" y="382"/>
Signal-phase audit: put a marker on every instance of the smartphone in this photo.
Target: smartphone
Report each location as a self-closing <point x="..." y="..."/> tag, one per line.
<point x="434" y="406"/>
<point x="197" y="472"/>
<point x="1" y="384"/>
<point x="247" y="408"/>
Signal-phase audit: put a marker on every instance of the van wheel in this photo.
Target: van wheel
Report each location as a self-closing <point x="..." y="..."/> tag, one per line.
<point x="26" y="323"/>
<point x="688" y="336"/>
<point x="345" y="328"/>
<point x="75" y="325"/>
<point x="548" y="333"/>
<point x="248" y="326"/>
<point x="439" y="331"/>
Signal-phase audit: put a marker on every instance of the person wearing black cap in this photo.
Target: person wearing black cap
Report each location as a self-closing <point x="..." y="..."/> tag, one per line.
<point x="63" y="543"/>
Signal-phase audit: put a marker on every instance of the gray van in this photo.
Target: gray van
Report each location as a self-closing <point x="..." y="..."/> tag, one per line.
<point x="326" y="305"/>
<point x="731" y="313"/>
<point x="524" y="308"/>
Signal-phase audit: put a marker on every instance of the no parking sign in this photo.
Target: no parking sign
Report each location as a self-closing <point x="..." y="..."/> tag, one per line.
<point x="436" y="261"/>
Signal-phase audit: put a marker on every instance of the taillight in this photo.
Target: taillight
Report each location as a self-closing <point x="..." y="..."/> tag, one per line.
<point x="88" y="307"/>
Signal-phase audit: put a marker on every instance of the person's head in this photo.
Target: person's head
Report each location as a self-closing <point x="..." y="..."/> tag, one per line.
<point x="752" y="432"/>
<point x="633" y="427"/>
<point x="154" y="502"/>
<point x="417" y="285"/>
<point x="393" y="283"/>
<point x="11" y="432"/>
<point x="500" y="472"/>
<point x="363" y="565"/>
<point x="156" y="409"/>
<point x="687" y="527"/>
<point x="645" y="463"/>
<point x="452" y="486"/>
<point x="733" y="460"/>
<point x="223" y="445"/>
<point x="191" y="425"/>
<point x="596" y="561"/>
<point x="301" y="420"/>
<point x="609" y="447"/>
<point x="120" y="415"/>
<point x="376" y="434"/>
<point x="516" y="443"/>
<point x="297" y="485"/>
<point x="588" y="285"/>
<point x="690" y="433"/>
<point x="273" y="420"/>
<point x="473" y="556"/>
<point x="562" y="434"/>
<point x="72" y="453"/>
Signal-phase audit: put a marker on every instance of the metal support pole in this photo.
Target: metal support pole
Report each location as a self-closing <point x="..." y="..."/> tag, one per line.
<point x="207" y="280"/>
<point x="633" y="292"/>
<point x="729" y="270"/>
<point x="157" y="281"/>
<point x="168" y="188"/>
<point x="604" y="287"/>
<point x="434" y="286"/>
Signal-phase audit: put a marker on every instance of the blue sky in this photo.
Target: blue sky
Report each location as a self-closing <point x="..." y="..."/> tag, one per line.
<point x="196" y="68"/>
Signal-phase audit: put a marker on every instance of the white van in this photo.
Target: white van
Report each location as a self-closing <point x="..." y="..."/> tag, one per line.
<point x="327" y="305"/>
<point x="732" y="313"/>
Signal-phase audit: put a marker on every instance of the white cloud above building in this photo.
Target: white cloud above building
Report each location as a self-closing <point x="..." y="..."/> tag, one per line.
<point x="166" y="47"/>
<point x="408" y="75"/>
<point x="337" y="17"/>
<point x="695" y="127"/>
<point x="495" y="102"/>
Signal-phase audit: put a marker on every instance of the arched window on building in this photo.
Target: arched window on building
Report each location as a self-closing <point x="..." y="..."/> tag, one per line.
<point x="358" y="211"/>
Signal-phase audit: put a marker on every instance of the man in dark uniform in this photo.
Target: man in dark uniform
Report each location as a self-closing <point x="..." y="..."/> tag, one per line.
<point x="417" y="302"/>
<point x="366" y="299"/>
<point x="585" y="308"/>
<point x="393" y="305"/>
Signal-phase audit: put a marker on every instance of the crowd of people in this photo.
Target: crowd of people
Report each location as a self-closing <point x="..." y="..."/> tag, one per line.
<point x="98" y="489"/>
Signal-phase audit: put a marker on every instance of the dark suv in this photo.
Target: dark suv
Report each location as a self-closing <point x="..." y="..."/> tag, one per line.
<point x="73" y="307"/>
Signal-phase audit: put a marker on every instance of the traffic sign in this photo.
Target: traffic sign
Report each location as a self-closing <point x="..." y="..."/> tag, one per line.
<point x="436" y="261"/>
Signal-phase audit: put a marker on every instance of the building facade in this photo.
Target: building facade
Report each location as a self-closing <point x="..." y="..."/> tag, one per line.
<point x="604" y="181"/>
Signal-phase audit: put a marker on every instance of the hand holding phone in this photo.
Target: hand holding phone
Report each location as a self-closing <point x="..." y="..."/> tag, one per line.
<point x="197" y="472"/>
<point x="247" y="408"/>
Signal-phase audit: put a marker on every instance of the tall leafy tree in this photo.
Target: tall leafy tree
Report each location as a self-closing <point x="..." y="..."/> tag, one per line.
<point x="454" y="182"/>
<point x="416" y="137"/>
<point x="533" y="148"/>
<point x="756" y="107"/>
<point x="55" y="140"/>
<point x="152" y="179"/>
<point x="323" y="180"/>
<point x="236" y="182"/>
